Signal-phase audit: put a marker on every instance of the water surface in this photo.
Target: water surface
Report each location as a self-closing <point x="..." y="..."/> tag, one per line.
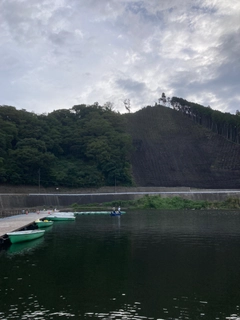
<point x="142" y="265"/>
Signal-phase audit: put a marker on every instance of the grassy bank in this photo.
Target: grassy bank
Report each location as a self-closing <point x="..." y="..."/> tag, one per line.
<point x="157" y="202"/>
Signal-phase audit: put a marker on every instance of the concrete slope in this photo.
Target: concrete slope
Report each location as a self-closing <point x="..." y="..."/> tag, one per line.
<point x="171" y="150"/>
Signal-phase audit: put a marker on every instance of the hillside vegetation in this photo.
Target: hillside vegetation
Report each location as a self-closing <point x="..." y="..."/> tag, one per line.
<point x="225" y="124"/>
<point x="80" y="147"/>
<point x="93" y="146"/>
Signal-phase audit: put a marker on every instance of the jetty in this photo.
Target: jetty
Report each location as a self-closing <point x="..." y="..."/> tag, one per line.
<point x="19" y="222"/>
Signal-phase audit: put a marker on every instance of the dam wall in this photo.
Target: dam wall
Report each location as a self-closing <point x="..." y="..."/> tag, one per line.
<point x="44" y="200"/>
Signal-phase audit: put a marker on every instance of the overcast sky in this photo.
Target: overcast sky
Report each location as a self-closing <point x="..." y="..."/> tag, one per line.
<point x="58" y="53"/>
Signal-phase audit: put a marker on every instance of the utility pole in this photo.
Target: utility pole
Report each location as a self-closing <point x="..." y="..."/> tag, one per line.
<point x="39" y="179"/>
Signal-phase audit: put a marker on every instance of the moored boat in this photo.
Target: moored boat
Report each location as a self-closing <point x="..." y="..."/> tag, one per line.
<point x="67" y="213"/>
<point x="43" y="223"/>
<point x="116" y="213"/>
<point x="60" y="217"/>
<point x="27" y="235"/>
<point x="95" y="212"/>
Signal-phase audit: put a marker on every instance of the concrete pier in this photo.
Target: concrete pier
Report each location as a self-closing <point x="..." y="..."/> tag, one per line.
<point x="18" y="222"/>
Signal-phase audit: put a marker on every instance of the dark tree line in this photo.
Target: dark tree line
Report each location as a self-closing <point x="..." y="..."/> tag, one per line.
<point x="85" y="146"/>
<point x="225" y="124"/>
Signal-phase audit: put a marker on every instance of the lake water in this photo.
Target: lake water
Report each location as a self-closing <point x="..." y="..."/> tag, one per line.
<point x="142" y="265"/>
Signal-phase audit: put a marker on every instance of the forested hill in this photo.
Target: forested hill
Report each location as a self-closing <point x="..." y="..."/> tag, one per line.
<point x="225" y="124"/>
<point x="93" y="146"/>
<point x="172" y="150"/>
<point x="85" y="146"/>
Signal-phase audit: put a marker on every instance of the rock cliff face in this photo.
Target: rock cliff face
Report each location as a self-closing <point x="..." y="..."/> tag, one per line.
<point x="171" y="150"/>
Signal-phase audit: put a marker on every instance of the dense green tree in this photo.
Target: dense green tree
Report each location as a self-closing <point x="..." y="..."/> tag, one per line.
<point x="80" y="147"/>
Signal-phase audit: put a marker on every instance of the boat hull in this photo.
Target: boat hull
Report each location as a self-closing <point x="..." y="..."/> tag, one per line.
<point x="21" y="236"/>
<point x="44" y="224"/>
<point x="113" y="213"/>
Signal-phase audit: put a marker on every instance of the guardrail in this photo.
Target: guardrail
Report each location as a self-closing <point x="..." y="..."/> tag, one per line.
<point x="8" y="213"/>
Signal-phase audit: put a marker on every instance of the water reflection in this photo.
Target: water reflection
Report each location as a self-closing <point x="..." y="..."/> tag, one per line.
<point x="127" y="311"/>
<point x="24" y="247"/>
<point x="142" y="265"/>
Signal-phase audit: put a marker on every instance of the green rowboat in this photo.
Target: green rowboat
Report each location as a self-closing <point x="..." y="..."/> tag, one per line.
<point x="20" y="236"/>
<point x="43" y="223"/>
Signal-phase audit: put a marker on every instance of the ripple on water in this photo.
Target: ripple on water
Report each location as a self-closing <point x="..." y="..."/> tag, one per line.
<point x="127" y="312"/>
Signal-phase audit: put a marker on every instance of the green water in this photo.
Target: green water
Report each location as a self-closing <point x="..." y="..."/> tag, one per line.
<point x="142" y="265"/>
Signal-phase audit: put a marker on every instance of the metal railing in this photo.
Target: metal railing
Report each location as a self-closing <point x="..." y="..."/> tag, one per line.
<point x="9" y="212"/>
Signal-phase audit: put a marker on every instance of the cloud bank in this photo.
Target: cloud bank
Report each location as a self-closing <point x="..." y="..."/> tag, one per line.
<point x="59" y="53"/>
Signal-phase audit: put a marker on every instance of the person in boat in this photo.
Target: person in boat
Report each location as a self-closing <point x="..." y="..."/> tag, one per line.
<point x="119" y="209"/>
<point x="113" y="209"/>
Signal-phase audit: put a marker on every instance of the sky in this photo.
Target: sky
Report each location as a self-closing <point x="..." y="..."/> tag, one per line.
<point x="59" y="53"/>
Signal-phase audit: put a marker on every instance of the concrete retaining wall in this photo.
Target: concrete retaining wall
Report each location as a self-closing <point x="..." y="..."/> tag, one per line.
<point x="24" y="201"/>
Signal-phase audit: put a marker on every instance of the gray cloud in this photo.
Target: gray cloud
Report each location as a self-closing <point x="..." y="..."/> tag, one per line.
<point x="131" y="86"/>
<point x="55" y="54"/>
<point x="222" y="80"/>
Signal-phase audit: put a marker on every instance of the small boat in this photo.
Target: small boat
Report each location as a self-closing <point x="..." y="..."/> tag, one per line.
<point x="43" y="223"/>
<point x="95" y="212"/>
<point x="20" y="236"/>
<point x="60" y="217"/>
<point x="67" y="213"/>
<point x="115" y="213"/>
